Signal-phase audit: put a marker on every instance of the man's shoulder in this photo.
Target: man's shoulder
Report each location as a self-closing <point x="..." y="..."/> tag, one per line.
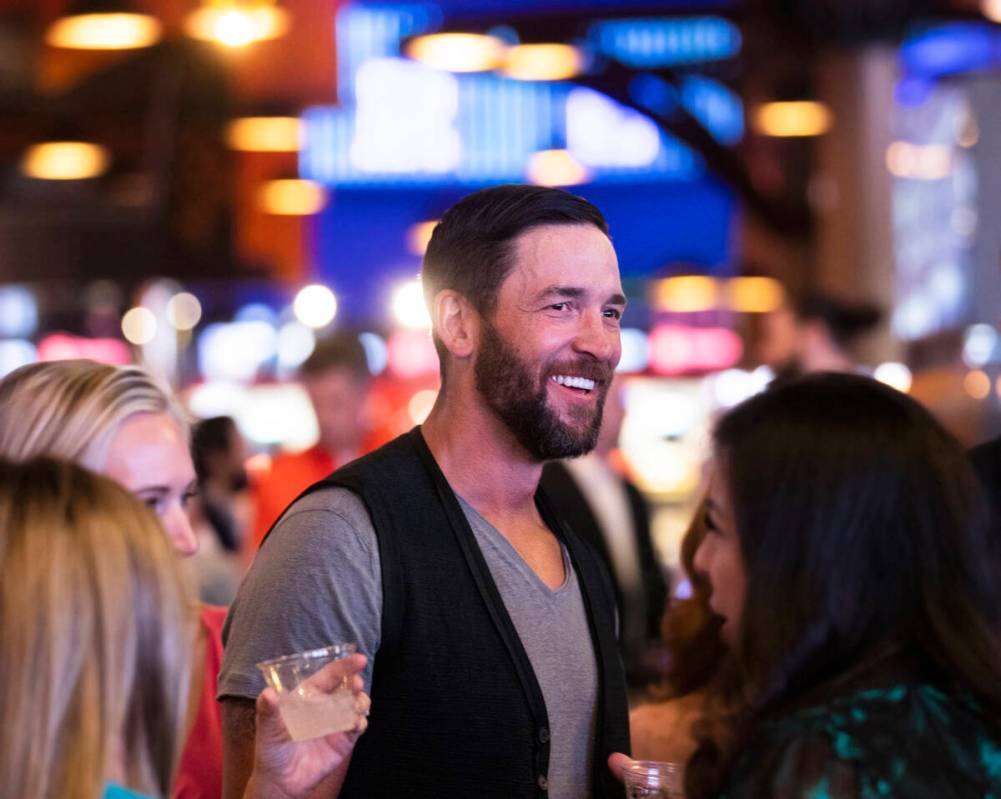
<point x="986" y="459"/>
<point x="330" y="513"/>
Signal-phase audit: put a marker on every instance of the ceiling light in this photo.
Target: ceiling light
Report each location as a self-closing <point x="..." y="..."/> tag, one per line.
<point x="685" y="294"/>
<point x="543" y="62"/>
<point x="458" y="52"/>
<point x="264" y="134"/>
<point x="292" y="197"/>
<point x="118" y="31"/>
<point x="235" y="24"/>
<point x="801" y="118"/>
<point x="65" y="160"/>
<point x="556" y="168"/>
<point x="754" y="294"/>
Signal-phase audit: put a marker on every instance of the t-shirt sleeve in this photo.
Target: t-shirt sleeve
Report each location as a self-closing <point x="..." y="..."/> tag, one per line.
<point x="317" y="581"/>
<point x="795" y="767"/>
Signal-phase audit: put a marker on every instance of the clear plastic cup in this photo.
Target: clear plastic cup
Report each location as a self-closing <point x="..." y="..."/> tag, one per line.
<point x="653" y="779"/>
<point x="310" y="704"/>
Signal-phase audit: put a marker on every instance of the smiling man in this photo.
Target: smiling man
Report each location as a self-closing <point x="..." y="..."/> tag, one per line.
<point x="488" y="624"/>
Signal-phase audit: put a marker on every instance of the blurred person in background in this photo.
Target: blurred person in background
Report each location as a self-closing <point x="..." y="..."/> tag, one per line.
<point x="337" y="379"/>
<point x="606" y="509"/>
<point x="118" y="421"/>
<point x="495" y="669"/>
<point x="816" y="334"/>
<point x="850" y="562"/>
<point x="662" y="730"/>
<point x="95" y="649"/>
<point x="221" y="509"/>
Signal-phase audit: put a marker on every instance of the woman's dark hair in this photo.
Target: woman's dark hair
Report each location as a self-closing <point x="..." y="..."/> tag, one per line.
<point x="861" y="526"/>
<point x="690" y="630"/>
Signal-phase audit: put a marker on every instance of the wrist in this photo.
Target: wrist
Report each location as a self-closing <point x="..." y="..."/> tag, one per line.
<point x="259" y="787"/>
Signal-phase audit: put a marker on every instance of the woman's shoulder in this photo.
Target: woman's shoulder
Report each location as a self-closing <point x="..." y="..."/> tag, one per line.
<point x="885" y="740"/>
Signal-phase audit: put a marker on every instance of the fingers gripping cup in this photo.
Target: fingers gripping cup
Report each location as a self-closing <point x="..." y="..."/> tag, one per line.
<point x="651" y="779"/>
<point x="312" y="702"/>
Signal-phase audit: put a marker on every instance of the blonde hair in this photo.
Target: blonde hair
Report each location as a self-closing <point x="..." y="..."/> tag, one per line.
<point x="71" y="409"/>
<point x="95" y="637"/>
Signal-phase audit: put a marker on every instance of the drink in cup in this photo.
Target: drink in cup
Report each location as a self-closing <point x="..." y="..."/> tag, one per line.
<point x="652" y="779"/>
<point x="311" y="705"/>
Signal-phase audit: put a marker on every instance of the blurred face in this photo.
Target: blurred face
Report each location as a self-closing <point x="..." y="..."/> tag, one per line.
<point x="547" y="356"/>
<point x="779" y="341"/>
<point x="338" y="399"/>
<point x="149" y="455"/>
<point x="719" y="559"/>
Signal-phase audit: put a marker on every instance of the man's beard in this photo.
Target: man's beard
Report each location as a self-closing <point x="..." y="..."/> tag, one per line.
<point x="510" y="390"/>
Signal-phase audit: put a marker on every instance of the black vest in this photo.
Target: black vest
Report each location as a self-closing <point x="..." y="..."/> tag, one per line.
<point x="456" y="709"/>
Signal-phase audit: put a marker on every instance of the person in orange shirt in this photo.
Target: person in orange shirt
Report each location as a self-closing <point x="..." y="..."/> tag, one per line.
<point x="337" y="379"/>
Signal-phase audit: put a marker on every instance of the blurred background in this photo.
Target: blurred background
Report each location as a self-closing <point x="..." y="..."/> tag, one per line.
<point x="208" y="187"/>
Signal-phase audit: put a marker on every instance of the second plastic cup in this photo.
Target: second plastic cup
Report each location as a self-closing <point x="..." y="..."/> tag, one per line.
<point x="652" y="779"/>
<point x="310" y="705"/>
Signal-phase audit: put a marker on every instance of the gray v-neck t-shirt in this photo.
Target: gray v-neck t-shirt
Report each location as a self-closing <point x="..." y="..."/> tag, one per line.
<point x="318" y="581"/>
<point x="553" y="628"/>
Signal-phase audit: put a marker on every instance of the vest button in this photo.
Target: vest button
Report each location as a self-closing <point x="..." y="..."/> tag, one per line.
<point x="544" y="735"/>
<point x="543" y="783"/>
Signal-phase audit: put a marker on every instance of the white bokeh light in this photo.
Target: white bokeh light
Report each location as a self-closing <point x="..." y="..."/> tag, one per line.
<point x="139" y="325"/>
<point x="896" y="375"/>
<point x="315" y="306"/>
<point x="408" y="306"/>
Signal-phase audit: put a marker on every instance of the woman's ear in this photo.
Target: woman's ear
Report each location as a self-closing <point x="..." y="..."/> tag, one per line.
<point x="456" y="323"/>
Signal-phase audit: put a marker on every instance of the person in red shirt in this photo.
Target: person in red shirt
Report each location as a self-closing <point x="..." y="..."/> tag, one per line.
<point x="337" y="379"/>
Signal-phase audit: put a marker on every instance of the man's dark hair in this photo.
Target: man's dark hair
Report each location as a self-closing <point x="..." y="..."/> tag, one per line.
<point x="471" y="247"/>
<point x="340" y="350"/>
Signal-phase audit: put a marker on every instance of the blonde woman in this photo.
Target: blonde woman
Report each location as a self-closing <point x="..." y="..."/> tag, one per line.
<point x="95" y="650"/>
<point x="94" y="638"/>
<point x="118" y="421"/>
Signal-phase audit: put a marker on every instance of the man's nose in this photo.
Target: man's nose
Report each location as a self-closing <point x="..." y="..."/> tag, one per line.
<point x="597" y="338"/>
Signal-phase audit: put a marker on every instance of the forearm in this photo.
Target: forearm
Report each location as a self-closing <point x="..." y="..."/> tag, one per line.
<point x="238" y="746"/>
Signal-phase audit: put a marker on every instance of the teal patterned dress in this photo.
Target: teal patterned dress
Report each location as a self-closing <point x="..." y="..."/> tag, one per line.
<point x="902" y="740"/>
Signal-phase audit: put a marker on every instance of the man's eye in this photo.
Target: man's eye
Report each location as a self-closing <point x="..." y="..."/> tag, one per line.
<point x="613" y="313"/>
<point x="558" y="306"/>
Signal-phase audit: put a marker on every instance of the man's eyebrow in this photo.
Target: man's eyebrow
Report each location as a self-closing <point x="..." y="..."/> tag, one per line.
<point x="568" y="292"/>
<point x="575" y="292"/>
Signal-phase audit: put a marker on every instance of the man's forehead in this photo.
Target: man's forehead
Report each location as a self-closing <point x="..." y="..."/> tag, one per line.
<point x="566" y="256"/>
<point x="543" y="235"/>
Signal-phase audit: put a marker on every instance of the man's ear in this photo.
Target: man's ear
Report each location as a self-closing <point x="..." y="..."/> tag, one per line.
<point x="456" y="323"/>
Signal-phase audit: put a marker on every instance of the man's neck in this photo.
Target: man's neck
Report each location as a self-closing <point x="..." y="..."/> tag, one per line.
<point x="481" y="459"/>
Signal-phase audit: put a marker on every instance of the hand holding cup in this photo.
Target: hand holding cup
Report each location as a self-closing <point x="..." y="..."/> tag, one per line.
<point x="323" y="697"/>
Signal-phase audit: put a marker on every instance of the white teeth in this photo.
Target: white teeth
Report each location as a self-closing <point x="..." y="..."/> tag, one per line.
<point x="574" y="382"/>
